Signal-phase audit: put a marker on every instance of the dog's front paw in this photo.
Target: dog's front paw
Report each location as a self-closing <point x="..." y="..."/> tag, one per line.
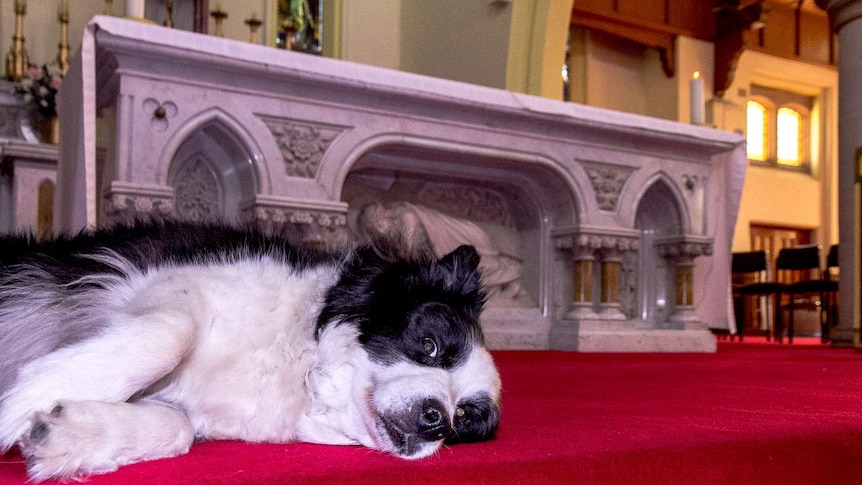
<point x="67" y="442"/>
<point x="80" y="438"/>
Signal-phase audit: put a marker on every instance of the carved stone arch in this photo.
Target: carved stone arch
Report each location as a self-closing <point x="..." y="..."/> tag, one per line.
<point x="515" y="199"/>
<point x="213" y="172"/>
<point x="658" y="215"/>
<point x="561" y="194"/>
<point x="660" y="208"/>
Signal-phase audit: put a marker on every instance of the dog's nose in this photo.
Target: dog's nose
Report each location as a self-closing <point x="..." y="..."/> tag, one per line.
<point x="432" y="421"/>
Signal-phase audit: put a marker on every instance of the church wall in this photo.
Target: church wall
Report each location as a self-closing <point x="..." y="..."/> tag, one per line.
<point x="453" y="39"/>
<point x="780" y="197"/>
<point x="613" y="73"/>
<point x="371" y="32"/>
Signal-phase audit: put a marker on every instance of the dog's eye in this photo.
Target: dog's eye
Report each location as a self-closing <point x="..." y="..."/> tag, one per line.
<point x="429" y="346"/>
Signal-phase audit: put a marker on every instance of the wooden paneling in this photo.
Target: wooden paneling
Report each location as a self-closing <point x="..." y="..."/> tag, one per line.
<point x="794" y="31"/>
<point x="693" y="18"/>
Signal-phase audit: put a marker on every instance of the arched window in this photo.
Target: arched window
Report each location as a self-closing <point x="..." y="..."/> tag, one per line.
<point x="789" y="137"/>
<point x="777" y="124"/>
<point x="756" y="117"/>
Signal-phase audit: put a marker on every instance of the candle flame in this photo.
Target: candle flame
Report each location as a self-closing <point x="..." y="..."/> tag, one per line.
<point x="696" y="75"/>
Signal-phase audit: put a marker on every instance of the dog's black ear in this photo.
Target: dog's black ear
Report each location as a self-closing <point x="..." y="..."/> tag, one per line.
<point x="464" y="255"/>
<point x="476" y="419"/>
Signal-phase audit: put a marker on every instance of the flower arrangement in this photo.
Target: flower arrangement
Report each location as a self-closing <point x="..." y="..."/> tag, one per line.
<point x="40" y="86"/>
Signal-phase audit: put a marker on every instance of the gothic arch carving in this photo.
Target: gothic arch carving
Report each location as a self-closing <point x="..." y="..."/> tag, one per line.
<point x="212" y="172"/>
<point x="228" y="131"/>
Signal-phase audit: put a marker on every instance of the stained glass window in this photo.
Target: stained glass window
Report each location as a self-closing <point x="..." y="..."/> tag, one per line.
<point x="789" y="137"/>
<point x="756" y="131"/>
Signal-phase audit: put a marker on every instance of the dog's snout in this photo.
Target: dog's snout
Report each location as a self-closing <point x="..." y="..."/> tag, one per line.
<point x="432" y="422"/>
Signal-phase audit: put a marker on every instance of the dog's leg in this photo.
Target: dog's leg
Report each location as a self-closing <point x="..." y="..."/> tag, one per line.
<point x="80" y="438"/>
<point x="147" y="338"/>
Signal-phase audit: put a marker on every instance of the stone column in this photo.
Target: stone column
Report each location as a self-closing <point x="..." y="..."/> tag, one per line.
<point x="846" y="17"/>
<point x="609" y="304"/>
<point x="582" y="280"/>
<point x="680" y="253"/>
<point x="580" y="258"/>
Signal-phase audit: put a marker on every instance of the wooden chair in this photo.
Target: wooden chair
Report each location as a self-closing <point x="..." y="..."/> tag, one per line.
<point x="750" y="273"/>
<point x="799" y="269"/>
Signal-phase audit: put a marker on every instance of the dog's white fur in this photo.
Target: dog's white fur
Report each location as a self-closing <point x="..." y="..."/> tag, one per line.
<point x="214" y="357"/>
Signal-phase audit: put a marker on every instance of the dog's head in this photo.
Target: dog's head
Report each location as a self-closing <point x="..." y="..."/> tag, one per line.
<point x="426" y="377"/>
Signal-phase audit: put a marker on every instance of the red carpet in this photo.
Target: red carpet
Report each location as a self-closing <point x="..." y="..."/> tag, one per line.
<point x="748" y="414"/>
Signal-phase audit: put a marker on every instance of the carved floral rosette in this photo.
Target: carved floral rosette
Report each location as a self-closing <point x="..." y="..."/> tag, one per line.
<point x="302" y="144"/>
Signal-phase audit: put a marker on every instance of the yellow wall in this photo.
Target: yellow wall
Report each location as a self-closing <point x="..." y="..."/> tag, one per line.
<point x="537" y="46"/>
<point x="781" y="197"/>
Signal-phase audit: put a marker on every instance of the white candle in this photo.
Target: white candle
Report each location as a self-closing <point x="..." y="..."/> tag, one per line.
<point x="135" y="8"/>
<point x="697" y="106"/>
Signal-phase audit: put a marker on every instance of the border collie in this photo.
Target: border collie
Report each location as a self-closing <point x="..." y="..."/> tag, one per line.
<point x="130" y="343"/>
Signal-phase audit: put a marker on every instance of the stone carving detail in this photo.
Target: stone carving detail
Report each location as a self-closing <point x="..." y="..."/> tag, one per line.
<point x="426" y="230"/>
<point x="598" y="247"/>
<point x="629" y="284"/>
<point x="320" y="228"/>
<point x="472" y="203"/>
<point x="289" y="216"/>
<point x="196" y="193"/>
<point x="596" y="242"/>
<point x="120" y="206"/>
<point x="684" y="250"/>
<point x="607" y="182"/>
<point x="160" y="113"/>
<point x="302" y="145"/>
<point x="690" y="182"/>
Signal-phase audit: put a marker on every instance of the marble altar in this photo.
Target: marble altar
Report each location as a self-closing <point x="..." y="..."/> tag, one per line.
<point x="623" y="223"/>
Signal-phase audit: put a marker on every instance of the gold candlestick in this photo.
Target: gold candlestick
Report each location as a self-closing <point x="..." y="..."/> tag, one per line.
<point x="16" y="59"/>
<point x="169" y="15"/>
<point x="109" y="7"/>
<point x="218" y="15"/>
<point x="63" y="52"/>
<point x="253" y="24"/>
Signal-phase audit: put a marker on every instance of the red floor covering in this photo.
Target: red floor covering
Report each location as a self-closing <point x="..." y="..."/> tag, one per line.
<point x="749" y="414"/>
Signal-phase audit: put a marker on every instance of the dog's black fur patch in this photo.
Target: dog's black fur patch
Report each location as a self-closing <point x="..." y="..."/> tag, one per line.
<point x="399" y="304"/>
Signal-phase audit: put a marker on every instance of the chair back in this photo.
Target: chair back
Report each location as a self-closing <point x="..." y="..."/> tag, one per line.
<point x="748" y="267"/>
<point x="832" y="262"/>
<point x="798" y="262"/>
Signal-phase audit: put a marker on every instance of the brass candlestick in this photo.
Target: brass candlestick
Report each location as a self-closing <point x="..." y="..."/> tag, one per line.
<point x="218" y="15"/>
<point x="253" y="24"/>
<point x="63" y="52"/>
<point x="16" y="59"/>
<point x="109" y="7"/>
<point x="169" y="15"/>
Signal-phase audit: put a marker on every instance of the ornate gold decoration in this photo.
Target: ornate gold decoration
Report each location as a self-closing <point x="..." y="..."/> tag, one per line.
<point x="218" y="16"/>
<point x="254" y="24"/>
<point x="169" y="13"/>
<point x="16" y="59"/>
<point x="63" y="46"/>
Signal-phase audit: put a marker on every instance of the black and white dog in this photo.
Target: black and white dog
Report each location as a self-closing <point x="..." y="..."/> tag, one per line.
<point x="128" y="344"/>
